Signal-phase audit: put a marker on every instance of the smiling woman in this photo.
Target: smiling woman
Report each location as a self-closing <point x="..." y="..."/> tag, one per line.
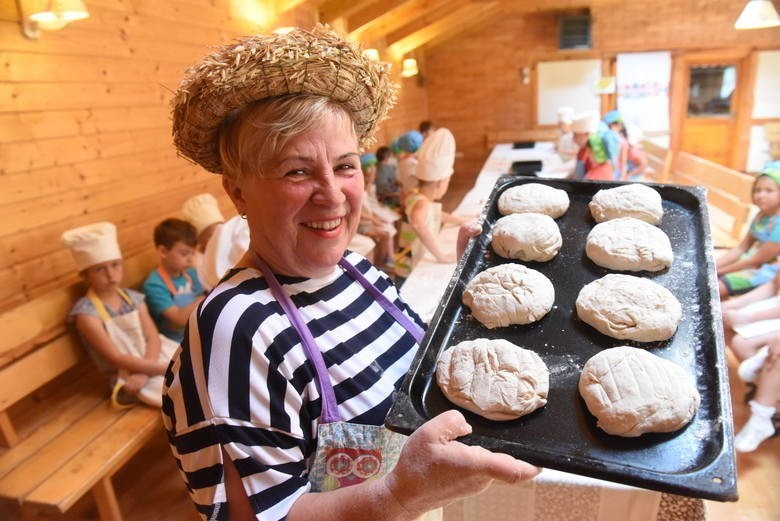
<point x="290" y="365"/>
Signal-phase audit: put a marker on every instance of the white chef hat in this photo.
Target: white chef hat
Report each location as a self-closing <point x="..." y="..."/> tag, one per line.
<point x="586" y="122"/>
<point x="565" y="115"/>
<point x="201" y="211"/>
<point x="92" y="244"/>
<point x="436" y="156"/>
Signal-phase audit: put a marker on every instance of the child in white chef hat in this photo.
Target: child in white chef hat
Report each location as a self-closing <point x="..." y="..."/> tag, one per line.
<point x="422" y="209"/>
<point x="221" y="242"/>
<point x="113" y="322"/>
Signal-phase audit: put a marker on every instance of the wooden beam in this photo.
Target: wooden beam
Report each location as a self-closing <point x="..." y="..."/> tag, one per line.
<point x="373" y="12"/>
<point x="333" y="9"/>
<point x="398" y="17"/>
<point x="444" y="28"/>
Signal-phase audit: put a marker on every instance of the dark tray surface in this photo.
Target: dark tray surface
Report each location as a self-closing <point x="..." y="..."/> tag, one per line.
<point x="695" y="461"/>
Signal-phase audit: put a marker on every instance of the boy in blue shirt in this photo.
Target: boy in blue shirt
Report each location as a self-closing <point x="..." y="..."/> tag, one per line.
<point x="173" y="289"/>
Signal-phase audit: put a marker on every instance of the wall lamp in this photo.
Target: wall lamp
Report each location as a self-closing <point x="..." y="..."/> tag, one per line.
<point x="758" y="14"/>
<point x="49" y="15"/>
<point x="409" y="68"/>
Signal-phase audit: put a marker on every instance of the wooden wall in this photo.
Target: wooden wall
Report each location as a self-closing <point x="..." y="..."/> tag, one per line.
<point x="473" y="81"/>
<point x="85" y="134"/>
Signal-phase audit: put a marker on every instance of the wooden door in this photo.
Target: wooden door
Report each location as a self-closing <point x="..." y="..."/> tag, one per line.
<point x="708" y="101"/>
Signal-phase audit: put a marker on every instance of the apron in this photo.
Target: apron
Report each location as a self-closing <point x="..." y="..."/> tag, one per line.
<point x="347" y="453"/>
<point x="179" y="299"/>
<point x="126" y="332"/>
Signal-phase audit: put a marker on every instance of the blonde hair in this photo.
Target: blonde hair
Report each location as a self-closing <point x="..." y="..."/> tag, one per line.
<point x="255" y="133"/>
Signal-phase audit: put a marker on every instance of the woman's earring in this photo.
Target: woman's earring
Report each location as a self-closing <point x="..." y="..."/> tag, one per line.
<point x="243" y="216"/>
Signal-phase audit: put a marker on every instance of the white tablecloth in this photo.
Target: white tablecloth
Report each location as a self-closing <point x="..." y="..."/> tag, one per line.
<point x="553" y="495"/>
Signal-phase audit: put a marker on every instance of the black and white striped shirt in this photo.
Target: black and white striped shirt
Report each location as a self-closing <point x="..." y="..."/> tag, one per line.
<point x="241" y="381"/>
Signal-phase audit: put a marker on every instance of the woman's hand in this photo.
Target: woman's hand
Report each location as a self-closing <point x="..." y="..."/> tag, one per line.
<point x="434" y="469"/>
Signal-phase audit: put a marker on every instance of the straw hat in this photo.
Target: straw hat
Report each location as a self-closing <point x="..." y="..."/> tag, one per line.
<point x="201" y="211"/>
<point x="436" y="156"/>
<point x="92" y="244"/>
<point x="318" y="62"/>
<point x="586" y="122"/>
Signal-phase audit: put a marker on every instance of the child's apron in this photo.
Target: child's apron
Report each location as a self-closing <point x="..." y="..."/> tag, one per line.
<point x="126" y="332"/>
<point x="347" y="453"/>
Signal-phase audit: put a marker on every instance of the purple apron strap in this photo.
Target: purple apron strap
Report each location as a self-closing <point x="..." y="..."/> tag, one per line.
<point x="330" y="411"/>
<point x="413" y="329"/>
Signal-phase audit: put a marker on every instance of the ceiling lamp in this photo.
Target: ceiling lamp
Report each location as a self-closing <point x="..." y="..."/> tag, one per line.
<point x="50" y="15"/>
<point x="758" y="14"/>
<point x="372" y="54"/>
<point x="409" y="68"/>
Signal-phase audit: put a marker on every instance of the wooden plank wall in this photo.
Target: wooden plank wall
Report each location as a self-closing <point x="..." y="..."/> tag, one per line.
<point x="474" y="84"/>
<point x="85" y="132"/>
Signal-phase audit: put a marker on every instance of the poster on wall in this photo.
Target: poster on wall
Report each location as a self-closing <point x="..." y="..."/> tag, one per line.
<point x="643" y="90"/>
<point x="569" y="83"/>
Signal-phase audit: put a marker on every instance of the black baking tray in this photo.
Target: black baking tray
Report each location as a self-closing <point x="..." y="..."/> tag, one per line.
<point x="696" y="461"/>
<point x="523" y="144"/>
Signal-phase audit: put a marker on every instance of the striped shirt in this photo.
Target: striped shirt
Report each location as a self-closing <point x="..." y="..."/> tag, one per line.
<point x="241" y="381"/>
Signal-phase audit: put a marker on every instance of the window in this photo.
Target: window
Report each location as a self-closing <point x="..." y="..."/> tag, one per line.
<point x="710" y="91"/>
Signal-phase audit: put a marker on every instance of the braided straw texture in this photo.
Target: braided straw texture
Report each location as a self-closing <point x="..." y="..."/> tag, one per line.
<point x="318" y="62"/>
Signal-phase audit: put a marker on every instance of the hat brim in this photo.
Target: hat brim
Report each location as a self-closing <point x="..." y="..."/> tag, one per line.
<point x="317" y="62"/>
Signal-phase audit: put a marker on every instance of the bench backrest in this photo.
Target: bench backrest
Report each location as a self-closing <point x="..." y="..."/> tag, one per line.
<point x="729" y="192"/>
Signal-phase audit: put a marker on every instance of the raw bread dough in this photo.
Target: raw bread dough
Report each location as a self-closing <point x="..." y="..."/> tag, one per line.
<point x="493" y="378"/>
<point x="631" y="200"/>
<point x="526" y="236"/>
<point x="629" y="307"/>
<point x="534" y="198"/>
<point x="628" y="244"/>
<point x="631" y="391"/>
<point x="509" y="294"/>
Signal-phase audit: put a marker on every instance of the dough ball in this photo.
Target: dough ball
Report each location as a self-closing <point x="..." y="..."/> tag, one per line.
<point x="509" y="294"/>
<point x="629" y="244"/>
<point x="629" y="307"/>
<point x="632" y="200"/>
<point x="631" y="391"/>
<point x="534" y="198"/>
<point x="493" y="378"/>
<point x="526" y="236"/>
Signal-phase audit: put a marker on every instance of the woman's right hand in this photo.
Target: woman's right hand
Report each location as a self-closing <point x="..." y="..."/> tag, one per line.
<point x="435" y="469"/>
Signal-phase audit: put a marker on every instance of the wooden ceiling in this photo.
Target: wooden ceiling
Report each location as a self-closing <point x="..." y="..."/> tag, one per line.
<point x="399" y="27"/>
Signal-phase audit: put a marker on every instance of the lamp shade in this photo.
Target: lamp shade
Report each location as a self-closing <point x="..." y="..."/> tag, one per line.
<point x="56" y="14"/>
<point x="371" y="53"/>
<point x="758" y="14"/>
<point x="409" y="68"/>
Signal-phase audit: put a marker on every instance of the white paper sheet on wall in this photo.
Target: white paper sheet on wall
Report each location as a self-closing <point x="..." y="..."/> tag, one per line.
<point x="643" y="89"/>
<point x="570" y="83"/>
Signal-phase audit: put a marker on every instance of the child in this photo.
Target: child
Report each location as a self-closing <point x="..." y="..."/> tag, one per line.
<point x="637" y="163"/>
<point x="220" y="242"/>
<point x="593" y="158"/>
<point x="113" y="322"/>
<point x="408" y="143"/>
<point x="616" y="143"/>
<point x="173" y="289"/>
<point x="387" y="190"/>
<point x="763" y="407"/>
<point x="422" y="208"/>
<point x="376" y="221"/>
<point x="754" y="260"/>
<point x="564" y="145"/>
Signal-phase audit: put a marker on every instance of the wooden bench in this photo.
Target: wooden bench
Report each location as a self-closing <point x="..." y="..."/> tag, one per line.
<point x="659" y="161"/>
<point x="63" y="437"/>
<point x="729" y="195"/>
